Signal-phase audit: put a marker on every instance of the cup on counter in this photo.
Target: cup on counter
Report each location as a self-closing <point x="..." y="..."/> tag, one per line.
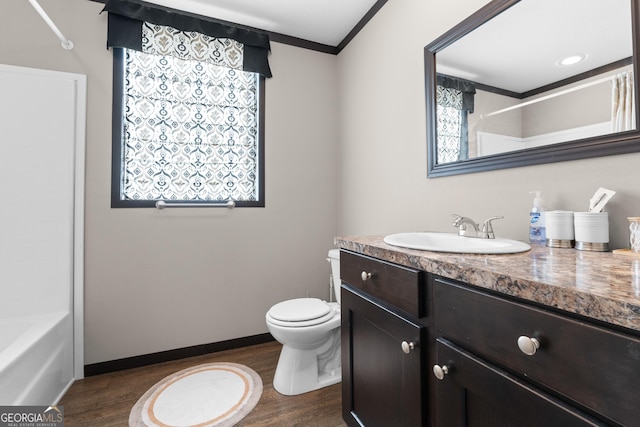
<point x="634" y="233"/>
<point x="560" y="229"/>
<point x="591" y="231"/>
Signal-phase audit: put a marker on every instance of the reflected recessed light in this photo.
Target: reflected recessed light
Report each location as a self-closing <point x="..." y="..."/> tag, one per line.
<point x="571" y="60"/>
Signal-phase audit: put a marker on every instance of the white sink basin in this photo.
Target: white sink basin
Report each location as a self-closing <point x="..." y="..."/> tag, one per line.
<point x="450" y="242"/>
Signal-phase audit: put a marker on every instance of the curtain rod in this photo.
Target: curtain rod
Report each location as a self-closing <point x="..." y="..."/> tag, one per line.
<point x="66" y="44"/>
<point x="544" y="98"/>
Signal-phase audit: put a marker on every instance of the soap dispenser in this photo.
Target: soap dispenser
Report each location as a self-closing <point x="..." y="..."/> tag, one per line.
<point x="537" y="229"/>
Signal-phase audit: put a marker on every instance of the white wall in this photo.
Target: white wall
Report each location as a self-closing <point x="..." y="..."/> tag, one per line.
<point x="156" y="281"/>
<point x="383" y="145"/>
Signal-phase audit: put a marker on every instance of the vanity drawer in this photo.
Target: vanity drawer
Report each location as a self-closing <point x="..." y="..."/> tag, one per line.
<point x="400" y="286"/>
<point x="587" y="364"/>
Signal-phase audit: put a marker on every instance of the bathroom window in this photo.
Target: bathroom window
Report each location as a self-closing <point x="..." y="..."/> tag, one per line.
<point x="451" y="125"/>
<point x="455" y="101"/>
<point x="449" y="133"/>
<point x="185" y="131"/>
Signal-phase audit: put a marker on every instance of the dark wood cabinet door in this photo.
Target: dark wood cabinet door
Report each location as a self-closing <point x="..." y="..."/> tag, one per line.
<point x="474" y="393"/>
<point x="593" y="366"/>
<point x="382" y="382"/>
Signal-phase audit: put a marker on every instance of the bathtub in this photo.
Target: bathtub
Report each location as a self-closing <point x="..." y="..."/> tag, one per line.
<point x="36" y="359"/>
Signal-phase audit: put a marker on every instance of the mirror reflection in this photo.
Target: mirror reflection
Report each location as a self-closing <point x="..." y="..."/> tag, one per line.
<point x="541" y="72"/>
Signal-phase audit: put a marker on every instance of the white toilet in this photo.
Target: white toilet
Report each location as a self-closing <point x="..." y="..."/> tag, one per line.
<point x="309" y="331"/>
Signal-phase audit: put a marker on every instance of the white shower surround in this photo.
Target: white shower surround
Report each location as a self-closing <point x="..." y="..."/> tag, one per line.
<point x="43" y="115"/>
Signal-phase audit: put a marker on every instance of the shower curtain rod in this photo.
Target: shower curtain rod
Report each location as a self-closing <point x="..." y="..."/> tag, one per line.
<point x="544" y="98"/>
<point x="66" y="43"/>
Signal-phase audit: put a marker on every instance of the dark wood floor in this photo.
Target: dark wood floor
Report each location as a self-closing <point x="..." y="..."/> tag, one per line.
<point x="106" y="400"/>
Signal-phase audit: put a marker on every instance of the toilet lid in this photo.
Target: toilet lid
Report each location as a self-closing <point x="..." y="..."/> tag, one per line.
<point x="302" y="310"/>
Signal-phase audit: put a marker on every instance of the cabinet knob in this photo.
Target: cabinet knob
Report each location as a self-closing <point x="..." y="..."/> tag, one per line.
<point x="407" y="346"/>
<point x="528" y="346"/>
<point x="365" y="276"/>
<point x="440" y="371"/>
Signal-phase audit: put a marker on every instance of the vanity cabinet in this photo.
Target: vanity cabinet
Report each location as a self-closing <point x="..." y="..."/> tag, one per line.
<point x="419" y="349"/>
<point x="384" y="343"/>
<point x="476" y="393"/>
<point x="505" y="363"/>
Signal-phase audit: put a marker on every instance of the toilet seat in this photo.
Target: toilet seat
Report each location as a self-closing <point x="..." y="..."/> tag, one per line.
<point x="300" y="312"/>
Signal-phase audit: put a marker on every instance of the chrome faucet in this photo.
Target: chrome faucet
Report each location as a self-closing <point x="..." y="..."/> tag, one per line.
<point x="466" y="226"/>
<point x="469" y="228"/>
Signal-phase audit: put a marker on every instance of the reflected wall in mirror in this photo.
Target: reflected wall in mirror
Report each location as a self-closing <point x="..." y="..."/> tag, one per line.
<point x="499" y="94"/>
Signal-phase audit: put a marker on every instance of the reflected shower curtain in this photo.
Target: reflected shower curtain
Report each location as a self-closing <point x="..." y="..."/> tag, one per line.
<point x="622" y="102"/>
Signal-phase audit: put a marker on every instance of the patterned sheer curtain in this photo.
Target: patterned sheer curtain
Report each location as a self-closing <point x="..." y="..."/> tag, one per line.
<point x="455" y="100"/>
<point x="622" y="102"/>
<point x="190" y="125"/>
<point x="190" y="131"/>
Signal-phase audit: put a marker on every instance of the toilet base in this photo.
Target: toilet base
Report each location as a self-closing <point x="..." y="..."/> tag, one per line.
<point x="301" y="371"/>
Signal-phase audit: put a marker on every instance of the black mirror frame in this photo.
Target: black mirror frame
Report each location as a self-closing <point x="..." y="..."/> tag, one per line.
<point x="606" y="145"/>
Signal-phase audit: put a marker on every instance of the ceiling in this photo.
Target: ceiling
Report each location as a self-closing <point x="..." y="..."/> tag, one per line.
<point x="326" y="22"/>
<point x="519" y="49"/>
<point x="519" y="56"/>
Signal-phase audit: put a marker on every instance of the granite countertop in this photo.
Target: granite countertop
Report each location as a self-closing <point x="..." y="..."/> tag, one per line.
<point x="599" y="285"/>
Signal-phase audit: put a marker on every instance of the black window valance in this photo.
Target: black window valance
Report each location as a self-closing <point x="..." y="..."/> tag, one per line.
<point x="467" y="88"/>
<point x="131" y="20"/>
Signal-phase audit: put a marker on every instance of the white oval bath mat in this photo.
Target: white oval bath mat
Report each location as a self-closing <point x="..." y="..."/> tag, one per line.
<point x="209" y="395"/>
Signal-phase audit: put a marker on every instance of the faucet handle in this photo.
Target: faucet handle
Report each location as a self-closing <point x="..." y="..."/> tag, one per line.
<point x="457" y="219"/>
<point x="487" y="228"/>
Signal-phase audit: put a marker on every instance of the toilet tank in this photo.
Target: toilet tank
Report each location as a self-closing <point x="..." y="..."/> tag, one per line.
<point x="334" y="259"/>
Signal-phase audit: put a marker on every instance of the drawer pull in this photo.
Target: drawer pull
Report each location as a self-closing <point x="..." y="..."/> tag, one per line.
<point x="365" y="276"/>
<point x="440" y="371"/>
<point x="407" y="346"/>
<point x="528" y="346"/>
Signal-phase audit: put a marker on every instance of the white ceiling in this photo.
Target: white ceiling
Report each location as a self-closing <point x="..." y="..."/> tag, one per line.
<point x="518" y="50"/>
<point x="540" y="32"/>
<point x="326" y="22"/>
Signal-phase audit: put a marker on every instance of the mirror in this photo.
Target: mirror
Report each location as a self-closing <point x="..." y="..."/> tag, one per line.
<point x="499" y="96"/>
